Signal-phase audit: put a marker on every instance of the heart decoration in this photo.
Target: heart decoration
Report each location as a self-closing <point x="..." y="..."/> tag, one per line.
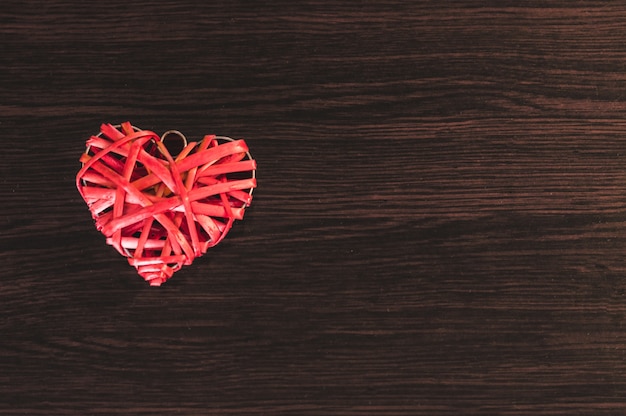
<point x="160" y="206"/>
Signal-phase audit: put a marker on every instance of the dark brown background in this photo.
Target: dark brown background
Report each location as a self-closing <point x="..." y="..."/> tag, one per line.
<point x="438" y="228"/>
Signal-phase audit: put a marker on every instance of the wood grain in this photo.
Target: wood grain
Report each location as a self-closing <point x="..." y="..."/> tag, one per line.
<point x="438" y="227"/>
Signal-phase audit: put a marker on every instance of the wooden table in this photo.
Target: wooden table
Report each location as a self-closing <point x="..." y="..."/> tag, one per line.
<point x="438" y="227"/>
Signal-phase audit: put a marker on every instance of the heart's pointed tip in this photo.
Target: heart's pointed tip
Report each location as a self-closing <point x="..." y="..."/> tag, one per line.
<point x="155" y="279"/>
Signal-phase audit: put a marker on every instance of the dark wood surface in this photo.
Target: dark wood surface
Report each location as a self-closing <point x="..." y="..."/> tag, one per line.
<point x="438" y="227"/>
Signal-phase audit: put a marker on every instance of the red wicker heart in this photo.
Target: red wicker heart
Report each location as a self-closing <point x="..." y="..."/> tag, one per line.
<point x="162" y="210"/>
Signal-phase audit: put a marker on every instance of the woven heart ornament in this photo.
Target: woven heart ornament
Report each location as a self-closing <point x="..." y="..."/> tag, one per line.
<point x="161" y="201"/>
